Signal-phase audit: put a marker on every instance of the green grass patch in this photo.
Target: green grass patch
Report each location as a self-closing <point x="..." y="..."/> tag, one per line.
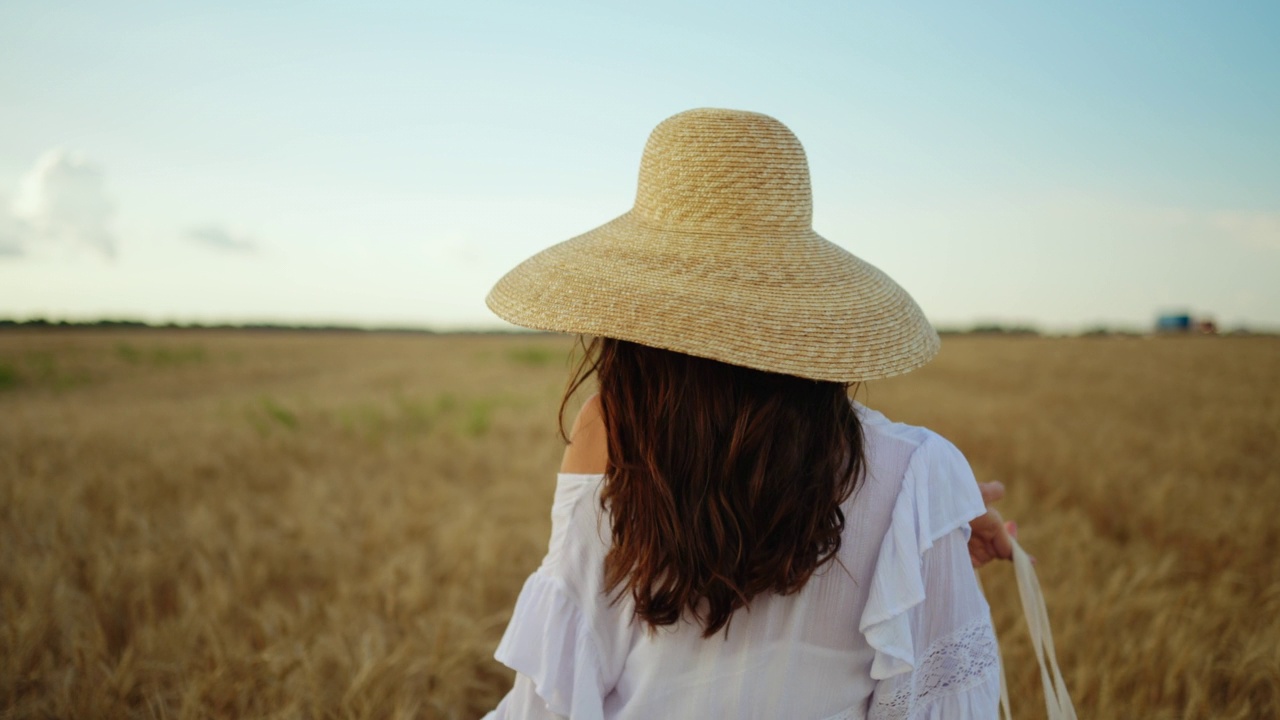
<point x="402" y="414"/>
<point x="44" y="369"/>
<point x="364" y="418"/>
<point x="479" y="417"/>
<point x="8" y="376"/>
<point x="415" y="414"/>
<point x="175" y="356"/>
<point x="129" y="353"/>
<point x="446" y="403"/>
<point x="44" y="364"/>
<point x="531" y="356"/>
<point x="280" y="414"/>
<point x="164" y="356"/>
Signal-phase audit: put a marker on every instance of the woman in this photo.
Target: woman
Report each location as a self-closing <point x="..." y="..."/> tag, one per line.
<point x="731" y="535"/>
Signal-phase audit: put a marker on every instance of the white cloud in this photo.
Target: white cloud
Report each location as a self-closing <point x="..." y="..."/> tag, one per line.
<point x="217" y="236"/>
<point x="1256" y="229"/>
<point x="61" y="203"/>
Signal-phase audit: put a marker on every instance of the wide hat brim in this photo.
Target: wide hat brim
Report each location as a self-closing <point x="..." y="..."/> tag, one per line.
<point x="791" y="303"/>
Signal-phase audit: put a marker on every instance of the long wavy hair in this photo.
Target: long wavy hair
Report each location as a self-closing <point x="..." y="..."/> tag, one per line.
<point x="722" y="482"/>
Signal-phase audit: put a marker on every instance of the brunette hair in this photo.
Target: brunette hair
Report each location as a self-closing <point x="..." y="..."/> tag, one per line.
<point x="722" y="482"/>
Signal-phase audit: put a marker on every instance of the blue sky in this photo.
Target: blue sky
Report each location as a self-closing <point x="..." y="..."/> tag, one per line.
<point x="385" y="163"/>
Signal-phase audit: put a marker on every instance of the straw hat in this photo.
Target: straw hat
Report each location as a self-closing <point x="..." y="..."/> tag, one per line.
<point x="718" y="259"/>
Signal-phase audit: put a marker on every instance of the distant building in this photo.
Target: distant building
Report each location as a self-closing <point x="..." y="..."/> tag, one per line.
<point x="1183" y="323"/>
<point x="1177" y="323"/>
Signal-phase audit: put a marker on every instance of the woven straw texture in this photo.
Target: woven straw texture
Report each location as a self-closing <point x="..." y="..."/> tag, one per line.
<point x="718" y="259"/>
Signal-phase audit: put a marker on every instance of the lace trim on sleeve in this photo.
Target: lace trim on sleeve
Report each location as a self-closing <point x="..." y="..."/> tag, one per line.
<point x="952" y="665"/>
<point x="938" y="495"/>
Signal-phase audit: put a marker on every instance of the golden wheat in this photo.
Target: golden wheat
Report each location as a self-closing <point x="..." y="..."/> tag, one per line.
<point x="202" y="524"/>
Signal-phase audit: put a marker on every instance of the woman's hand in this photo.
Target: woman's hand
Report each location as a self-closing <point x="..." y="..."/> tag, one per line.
<point x="991" y="535"/>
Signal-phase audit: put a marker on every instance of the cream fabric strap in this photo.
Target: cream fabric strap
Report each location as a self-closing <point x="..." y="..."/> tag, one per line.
<point x="1057" y="702"/>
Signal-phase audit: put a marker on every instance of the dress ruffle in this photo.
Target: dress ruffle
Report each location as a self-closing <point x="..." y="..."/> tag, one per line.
<point x="938" y="495"/>
<point x="549" y="641"/>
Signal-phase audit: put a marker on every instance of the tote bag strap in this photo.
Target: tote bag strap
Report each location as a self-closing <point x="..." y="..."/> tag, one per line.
<point x="1057" y="702"/>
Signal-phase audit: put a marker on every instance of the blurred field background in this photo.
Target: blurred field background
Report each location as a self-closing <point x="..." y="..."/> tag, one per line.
<point x="237" y="524"/>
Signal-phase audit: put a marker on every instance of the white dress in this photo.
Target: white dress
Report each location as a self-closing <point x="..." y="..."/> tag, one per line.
<point x="895" y="627"/>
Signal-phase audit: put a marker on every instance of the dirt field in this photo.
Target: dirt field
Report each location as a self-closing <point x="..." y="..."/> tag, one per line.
<point x="201" y="524"/>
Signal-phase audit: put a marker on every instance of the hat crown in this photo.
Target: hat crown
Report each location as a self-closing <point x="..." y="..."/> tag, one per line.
<point x="712" y="171"/>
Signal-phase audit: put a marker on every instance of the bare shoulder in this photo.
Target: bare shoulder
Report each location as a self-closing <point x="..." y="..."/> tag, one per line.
<point x="588" y="450"/>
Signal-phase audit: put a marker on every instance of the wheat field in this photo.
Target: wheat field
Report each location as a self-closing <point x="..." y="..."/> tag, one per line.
<point x="302" y="525"/>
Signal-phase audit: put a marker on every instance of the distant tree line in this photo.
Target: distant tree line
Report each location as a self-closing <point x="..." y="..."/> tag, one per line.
<point x="993" y="329"/>
<point x="1016" y="330"/>
<point x="110" y="324"/>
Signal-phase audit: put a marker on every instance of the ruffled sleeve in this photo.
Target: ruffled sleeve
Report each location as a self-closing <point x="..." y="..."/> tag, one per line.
<point x="549" y="642"/>
<point x="926" y="618"/>
<point x="555" y="635"/>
